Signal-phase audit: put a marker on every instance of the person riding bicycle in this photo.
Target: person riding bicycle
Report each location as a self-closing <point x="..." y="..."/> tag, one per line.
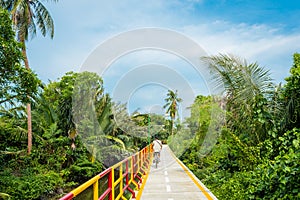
<point x="157" y="146"/>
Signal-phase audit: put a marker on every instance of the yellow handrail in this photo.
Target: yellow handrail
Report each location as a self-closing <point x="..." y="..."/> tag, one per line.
<point x="135" y="165"/>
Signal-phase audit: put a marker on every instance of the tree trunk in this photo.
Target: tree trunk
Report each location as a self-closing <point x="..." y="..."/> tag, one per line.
<point x="29" y="128"/>
<point x="28" y="106"/>
<point x="25" y="57"/>
<point x="172" y="124"/>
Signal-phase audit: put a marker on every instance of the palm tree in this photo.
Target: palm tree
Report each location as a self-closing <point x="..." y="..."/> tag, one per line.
<point x="248" y="89"/>
<point x="26" y="16"/>
<point x="172" y="101"/>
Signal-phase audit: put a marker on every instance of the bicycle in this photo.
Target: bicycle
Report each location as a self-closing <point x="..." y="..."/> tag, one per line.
<point x="156" y="158"/>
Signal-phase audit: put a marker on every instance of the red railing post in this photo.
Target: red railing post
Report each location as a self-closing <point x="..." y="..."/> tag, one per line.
<point x="110" y="184"/>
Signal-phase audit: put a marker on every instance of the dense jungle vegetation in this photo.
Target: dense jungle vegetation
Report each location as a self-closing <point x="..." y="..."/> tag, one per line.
<point x="252" y="154"/>
<point x="257" y="152"/>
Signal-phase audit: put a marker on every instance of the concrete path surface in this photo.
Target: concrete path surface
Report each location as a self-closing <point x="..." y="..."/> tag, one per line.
<point x="173" y="181"/>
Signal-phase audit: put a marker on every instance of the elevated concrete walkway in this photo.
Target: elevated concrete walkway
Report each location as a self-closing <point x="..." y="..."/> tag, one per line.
<point x="173" y="181"/>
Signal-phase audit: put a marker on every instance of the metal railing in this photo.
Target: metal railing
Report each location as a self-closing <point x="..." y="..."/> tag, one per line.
<point x="119" y="180"/>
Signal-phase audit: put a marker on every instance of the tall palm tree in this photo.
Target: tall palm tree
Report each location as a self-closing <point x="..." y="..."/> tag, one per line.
<point x="26" y="16"/>
<point x="172" y="101"/>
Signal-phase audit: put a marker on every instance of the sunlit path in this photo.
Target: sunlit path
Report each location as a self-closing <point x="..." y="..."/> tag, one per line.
<point x="172" y="180"/>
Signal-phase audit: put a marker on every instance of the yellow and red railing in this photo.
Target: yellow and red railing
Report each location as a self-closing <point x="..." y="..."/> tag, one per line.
<point x="117" y="180"/>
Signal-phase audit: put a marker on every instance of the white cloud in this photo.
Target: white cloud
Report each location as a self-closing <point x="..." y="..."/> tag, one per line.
<point x="260" y="43"/>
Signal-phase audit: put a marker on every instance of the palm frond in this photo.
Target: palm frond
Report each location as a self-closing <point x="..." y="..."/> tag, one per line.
<point x="116" y="140"/>
<point x="239" y="79"/>
<point x="247" y="88"/>
<point x="27" y="16"/>
<point x="44" y="19"/>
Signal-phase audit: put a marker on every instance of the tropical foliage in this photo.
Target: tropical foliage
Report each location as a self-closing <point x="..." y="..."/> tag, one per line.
<point x="256" y="153"/>
<point x="65" y="133"/>
<point x="291" y="94"/>
<point x="26" y="15"/>
<point x="17" y="84"/>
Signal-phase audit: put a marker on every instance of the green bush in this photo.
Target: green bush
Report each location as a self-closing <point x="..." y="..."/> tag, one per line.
<point x="225" y="172"/>
<point x="280" y="178"/>
<point x="29" y="184"/>
<point x="83" y="170"/>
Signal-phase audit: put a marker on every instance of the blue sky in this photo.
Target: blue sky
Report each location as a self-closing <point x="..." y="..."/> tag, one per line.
<point x="267" y="32"/>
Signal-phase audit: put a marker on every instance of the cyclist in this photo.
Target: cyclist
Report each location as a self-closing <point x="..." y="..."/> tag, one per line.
<point x="157" y="146"/>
